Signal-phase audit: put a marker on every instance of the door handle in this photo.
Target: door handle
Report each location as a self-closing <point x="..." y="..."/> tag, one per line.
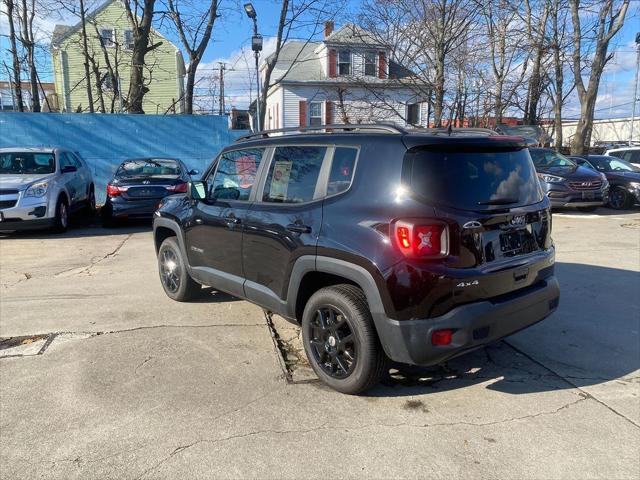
<point x="298" y="228"/>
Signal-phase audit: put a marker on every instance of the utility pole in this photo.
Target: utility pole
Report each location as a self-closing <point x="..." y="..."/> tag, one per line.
<point x="221" y="108"/>
<point x="635" y="90"/>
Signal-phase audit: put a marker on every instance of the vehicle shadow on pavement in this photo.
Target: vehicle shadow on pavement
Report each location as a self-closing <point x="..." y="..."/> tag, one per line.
<point x="83" y="226"/>
<point x="599" y="212"/>
<point x="592" y="338"/>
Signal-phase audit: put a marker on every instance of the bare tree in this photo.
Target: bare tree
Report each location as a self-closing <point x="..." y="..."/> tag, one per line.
<point x="425" y="37"/>
<point x="503" y="34"/>
<point x="140" y="15"/>
<point x="536" y="33"/>
<point x="26" y="16"/>
<point x="304" y="17"/>
<point x="194" y="29"/>
<point x="609" y="18"/>
<point x="85" y="53"/>
<point x="17" y="80"/>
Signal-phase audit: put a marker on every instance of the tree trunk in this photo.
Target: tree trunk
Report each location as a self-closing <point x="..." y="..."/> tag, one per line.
<point x="188" y="93"/>
<point x="534" y="89"/>
<point x="439" y="92"/>
<point x="609" y="23"/>
<point x="29" y="45"/>
<point x="141" y="34"/>
<point x="559" y="79"/>
<point x="85" y="52"/>
<point x="17" y="81"/>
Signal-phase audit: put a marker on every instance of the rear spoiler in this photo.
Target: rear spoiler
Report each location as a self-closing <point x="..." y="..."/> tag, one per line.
<point x="465" y="143"/>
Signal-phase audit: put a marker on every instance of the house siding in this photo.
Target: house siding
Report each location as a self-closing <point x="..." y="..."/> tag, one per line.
<point x="360" y="104"/>
<point x="164" y="83"/>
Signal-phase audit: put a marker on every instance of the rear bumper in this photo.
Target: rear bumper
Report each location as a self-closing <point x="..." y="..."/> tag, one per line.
<point x="131" y="208"/>
<point x="474" y="325"/>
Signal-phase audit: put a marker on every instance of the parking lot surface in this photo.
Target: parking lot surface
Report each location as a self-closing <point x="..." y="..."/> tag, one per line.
<point x="115" y="380"/>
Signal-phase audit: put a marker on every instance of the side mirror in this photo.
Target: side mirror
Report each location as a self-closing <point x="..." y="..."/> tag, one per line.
<point x="197" y="190"/>
<point x="69" y="169"/>
<point x="194" y="172"/>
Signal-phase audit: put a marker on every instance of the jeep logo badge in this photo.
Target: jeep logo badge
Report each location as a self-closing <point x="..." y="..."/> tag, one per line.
<point x="518" y="221"/>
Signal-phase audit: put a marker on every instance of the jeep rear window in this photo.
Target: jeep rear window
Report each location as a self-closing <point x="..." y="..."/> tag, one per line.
<point x="474" y="180"/>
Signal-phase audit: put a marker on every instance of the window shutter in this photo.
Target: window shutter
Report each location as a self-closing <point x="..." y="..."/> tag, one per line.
<point x="303" y="113"/>
<point x="382" y="65"/>
<point x="332" y="63"/>
<point x="328" y="113"/>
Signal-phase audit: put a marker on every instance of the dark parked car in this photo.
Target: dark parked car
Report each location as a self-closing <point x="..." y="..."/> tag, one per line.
<point x="381" y="243"/>
<point x="139" y="184"/>
<point x="623" y="177"/>
<point x="566" y="183"/>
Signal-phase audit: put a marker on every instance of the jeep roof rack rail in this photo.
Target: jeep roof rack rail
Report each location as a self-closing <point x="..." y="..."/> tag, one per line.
<point x="446" y="131"/>
<point x="349" y="128"/>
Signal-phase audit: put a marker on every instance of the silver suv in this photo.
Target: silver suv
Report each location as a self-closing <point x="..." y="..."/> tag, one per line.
<point x="40" y="187"/>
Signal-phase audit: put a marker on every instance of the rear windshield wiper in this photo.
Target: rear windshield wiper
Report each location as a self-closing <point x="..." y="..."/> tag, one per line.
<point x="499" y="201"/>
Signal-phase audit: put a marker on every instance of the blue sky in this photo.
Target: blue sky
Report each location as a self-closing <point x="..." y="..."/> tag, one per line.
<point x="231" y="43"/>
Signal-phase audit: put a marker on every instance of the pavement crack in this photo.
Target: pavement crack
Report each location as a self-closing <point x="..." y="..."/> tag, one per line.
<point x="281" y="349"/>
<point x="567" y="379"/>
<point x="95" y="260"/>
<point x="135" y="371"/>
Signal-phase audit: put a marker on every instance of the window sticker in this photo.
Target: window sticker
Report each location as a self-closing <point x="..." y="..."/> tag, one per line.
<point x="280" y="180"/>
<point x="246" y="169"/>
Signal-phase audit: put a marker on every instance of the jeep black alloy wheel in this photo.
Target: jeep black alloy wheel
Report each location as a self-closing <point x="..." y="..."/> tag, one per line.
<point x="341" y="341"/>
<point x="174" y="276"/>
<point x="169" y="270"/>
<point x="332" y="342"/>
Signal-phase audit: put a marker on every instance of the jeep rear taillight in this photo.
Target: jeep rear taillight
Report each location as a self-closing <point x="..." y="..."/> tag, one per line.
<point x="421" y="240"/>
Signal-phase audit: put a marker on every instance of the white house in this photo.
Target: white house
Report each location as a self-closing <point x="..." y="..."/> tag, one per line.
<point x="346" y="78"/>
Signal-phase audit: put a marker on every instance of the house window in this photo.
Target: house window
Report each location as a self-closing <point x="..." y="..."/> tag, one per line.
<point x="106" y="35"/>
<point x="128" y="39"/>
<point x="370" y="64"/>
<point x="344" y="62"/>
<point x="413" y="113"/>
<point x="315" y="114"/>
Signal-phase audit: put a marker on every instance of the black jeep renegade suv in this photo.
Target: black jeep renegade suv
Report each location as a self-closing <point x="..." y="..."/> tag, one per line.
<point x="381" y="243"/>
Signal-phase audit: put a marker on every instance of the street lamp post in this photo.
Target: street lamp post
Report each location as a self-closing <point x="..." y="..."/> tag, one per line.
<point x="256" y="46"/>
<point x="635" y="90"/>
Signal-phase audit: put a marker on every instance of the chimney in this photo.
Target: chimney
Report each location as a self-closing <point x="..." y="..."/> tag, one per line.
<point x="328" y="28"/>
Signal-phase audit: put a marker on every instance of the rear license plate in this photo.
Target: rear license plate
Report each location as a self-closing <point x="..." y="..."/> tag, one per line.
<point x="588" y="195"/>
<point x="510" y="241"/>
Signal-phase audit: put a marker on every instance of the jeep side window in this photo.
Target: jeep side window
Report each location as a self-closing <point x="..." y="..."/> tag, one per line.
<point x="341" y="174"/>
<point x="235" y="174"/>
<point x="293" y="174"/>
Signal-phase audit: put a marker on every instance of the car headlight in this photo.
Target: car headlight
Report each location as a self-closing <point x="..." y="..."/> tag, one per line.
<point x="550" y="178"/>
<point x="37" y="189"/>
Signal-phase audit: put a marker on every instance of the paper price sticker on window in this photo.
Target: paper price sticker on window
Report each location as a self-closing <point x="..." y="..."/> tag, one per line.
<point x="280" y="180"/>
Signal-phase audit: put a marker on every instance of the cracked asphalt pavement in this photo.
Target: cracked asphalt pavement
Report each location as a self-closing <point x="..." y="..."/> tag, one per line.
<point x="105" y="377"/>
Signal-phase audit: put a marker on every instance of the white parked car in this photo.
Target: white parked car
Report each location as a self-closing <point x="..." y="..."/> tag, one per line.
<point x="41" y="187"/>
<point x="630" y="154"/>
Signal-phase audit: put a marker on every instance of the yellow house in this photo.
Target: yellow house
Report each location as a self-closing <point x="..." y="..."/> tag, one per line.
<point x="109" y="35"/>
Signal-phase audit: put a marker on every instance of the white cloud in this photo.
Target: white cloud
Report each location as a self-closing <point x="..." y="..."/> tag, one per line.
<point x="239" y="78"/>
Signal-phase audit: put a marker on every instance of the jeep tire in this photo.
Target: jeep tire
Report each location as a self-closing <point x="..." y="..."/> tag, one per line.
<point x="174" y="276"/>
<point x="340" y="339"/>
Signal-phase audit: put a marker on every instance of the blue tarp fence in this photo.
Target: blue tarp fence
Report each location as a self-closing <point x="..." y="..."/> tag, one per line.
<point x="106" y="140"/>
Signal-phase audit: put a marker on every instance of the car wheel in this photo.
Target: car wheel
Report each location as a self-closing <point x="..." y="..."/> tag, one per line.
<point x="619" y="199"/>
<point x="175" y="278"/>
<point x="91" y="204"/>
<point x="61" y="222"/>
<point x="340" y="339"/>
<point x="587" y="209"/>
